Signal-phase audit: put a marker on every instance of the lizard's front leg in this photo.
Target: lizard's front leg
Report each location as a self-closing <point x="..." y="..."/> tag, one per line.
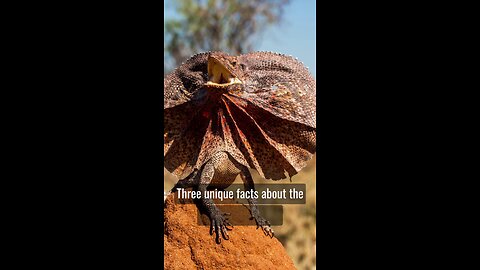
<point x="218" y="220"/>
<point x="250" y="186"/>
<point x="187" y="182"/>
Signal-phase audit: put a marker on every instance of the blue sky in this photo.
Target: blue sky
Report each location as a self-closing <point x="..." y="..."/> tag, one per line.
<point x="296" y="35"/>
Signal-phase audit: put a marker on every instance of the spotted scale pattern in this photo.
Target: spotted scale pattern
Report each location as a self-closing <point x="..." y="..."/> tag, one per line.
<point x="267" y="123"/>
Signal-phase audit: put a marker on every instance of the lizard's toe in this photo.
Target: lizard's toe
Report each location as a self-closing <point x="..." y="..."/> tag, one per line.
<point x="268" y="231"/>
<point x="220" y="224"/>
<point x="264" y="224"/>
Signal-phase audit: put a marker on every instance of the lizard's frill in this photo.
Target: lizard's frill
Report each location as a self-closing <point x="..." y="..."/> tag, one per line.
<point x="269" y="126"/>
<point x="253" y="136"/>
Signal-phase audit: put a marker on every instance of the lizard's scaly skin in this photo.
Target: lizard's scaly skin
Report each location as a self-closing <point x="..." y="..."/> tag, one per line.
<point x="267" y="123"/>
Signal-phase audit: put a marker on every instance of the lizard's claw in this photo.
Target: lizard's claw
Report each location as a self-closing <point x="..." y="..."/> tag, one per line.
<point x="219" y="222"/>
<point x="262" y="222"/>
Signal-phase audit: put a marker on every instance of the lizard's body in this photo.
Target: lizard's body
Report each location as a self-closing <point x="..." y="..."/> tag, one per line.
<point x="226" y="114"/>
<point x="225" y="167"/>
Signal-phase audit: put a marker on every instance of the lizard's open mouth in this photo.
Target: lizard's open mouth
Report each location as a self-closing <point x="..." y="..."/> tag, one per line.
<point x="219" y="76"/>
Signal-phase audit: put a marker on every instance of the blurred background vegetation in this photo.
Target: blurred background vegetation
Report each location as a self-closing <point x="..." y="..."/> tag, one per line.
<point x="236" y="27"/>
<point x="231" y="26"/>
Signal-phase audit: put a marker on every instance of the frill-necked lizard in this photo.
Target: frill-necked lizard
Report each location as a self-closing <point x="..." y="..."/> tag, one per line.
<point x="225" y="114"/>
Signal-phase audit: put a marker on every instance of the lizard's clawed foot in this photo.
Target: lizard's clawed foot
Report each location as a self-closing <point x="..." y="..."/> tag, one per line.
<point x="220" y="223"/>
<point x="262" y="222"/>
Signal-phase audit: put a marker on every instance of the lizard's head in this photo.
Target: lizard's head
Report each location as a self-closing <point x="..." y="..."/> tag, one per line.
<point x="223" y="71"/>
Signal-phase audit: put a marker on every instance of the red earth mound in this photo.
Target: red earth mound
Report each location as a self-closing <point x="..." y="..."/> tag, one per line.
<point x="189" y="245"/>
